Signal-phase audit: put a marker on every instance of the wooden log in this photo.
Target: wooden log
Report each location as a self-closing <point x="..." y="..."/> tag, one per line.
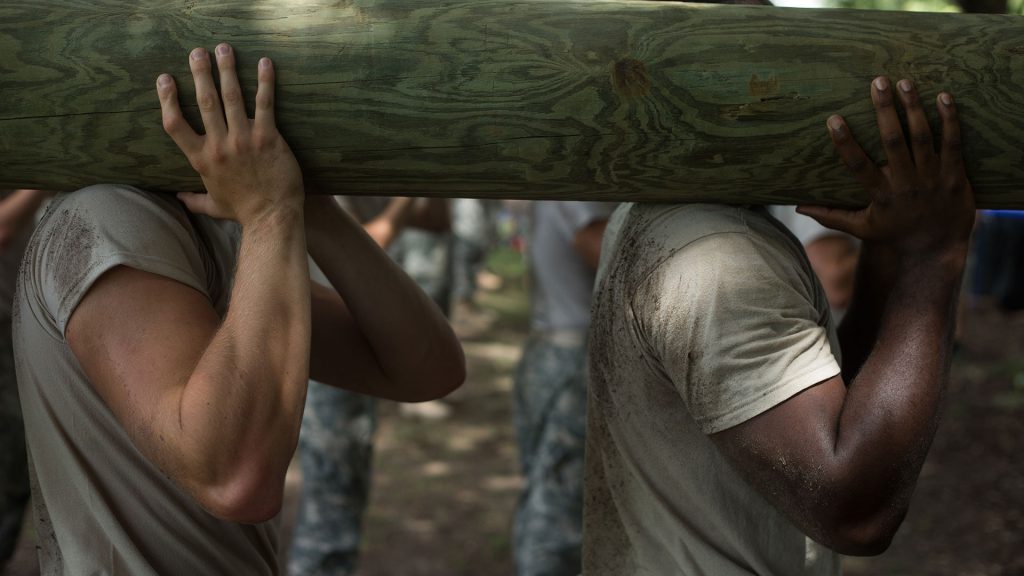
<point x="564" y="99"/>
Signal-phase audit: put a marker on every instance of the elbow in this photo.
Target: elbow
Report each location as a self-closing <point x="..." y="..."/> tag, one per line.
<point x="446" y="377"/>
<point x="242" y="500"/>
<point x="861" y="534"/>
<point x="862" y="540"/>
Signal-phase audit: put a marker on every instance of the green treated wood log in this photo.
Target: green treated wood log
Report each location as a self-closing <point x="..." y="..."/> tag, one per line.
<point x="564" y="99"/>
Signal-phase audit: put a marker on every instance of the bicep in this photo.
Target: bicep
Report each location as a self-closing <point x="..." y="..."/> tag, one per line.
<point x="787" y="452"/>
<point x="137" y="337"/>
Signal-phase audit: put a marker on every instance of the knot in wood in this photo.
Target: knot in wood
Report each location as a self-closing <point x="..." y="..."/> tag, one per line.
<point x="630" y="78"/>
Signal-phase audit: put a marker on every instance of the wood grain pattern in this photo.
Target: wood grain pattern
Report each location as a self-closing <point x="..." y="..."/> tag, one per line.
<point x="564" y="99"/>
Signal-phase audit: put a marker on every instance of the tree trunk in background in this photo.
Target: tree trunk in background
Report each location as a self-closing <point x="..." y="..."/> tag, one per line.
<point x="557" y="99"/>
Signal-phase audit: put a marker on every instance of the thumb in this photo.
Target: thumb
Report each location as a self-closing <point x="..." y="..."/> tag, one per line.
<point x="199" y="203"/>
<point x="849" y="221"/>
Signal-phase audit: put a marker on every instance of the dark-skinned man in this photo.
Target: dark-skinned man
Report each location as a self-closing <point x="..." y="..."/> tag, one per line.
<point x="726" y="435"/>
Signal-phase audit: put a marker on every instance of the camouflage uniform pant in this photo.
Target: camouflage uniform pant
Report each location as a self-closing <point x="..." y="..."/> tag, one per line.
<point x="551" y="399"/>
<point x="336" y="440"/>
<point x="335" y="454"/>
<point x="472" y="234"/>
<point x="14" y="487"/>
<point x="425" y="257"/>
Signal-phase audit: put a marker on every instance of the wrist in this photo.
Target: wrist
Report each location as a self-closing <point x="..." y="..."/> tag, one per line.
<point x="280" y="215"/>
<point x="940" y="265"/>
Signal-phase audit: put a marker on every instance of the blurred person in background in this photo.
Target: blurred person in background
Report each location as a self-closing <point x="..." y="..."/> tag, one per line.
<point x="564" y="246"/>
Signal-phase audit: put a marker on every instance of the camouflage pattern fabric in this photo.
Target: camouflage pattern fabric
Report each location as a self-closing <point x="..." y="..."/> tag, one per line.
<point x="472" y="235"/>
<point x="425" y="258"/>
<point x="14" y="487"/>
<point x="336" y="439"/>
<point x="551" y="399"/>
<point x="335" y="454"/>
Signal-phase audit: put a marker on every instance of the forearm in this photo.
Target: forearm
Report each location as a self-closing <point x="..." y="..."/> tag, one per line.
<point x="877" y="272"/>
<point x="241" y="408"/>
<point x="402" y="329"/>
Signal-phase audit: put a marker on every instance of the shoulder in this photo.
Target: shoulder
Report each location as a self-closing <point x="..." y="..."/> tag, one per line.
<point x="112" y="209"/>
<point x="646" y="237"/>
<point x="88" y="232"/>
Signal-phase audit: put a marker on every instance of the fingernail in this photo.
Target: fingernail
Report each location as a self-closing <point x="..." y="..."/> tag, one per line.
<point x="198" y="54"/>
<point x="906" y="85"/>
<point x="164" y="80"/>
<point x="223" y="49"/>
<point x="264" y="63"/>
<point x="881" y="84"/>
<point x="947" y="100"/>
<point x="836" y="125"/>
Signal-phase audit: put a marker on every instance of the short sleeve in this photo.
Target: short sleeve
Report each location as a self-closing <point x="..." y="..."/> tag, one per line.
<point x="87" y="233"/>
<point x="739" y="328"/>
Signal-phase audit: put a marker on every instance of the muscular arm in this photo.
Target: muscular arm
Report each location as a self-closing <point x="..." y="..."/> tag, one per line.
<point x="379" y="333"/>
<point x="841" y="461"/>
<point x="215" y="405"/>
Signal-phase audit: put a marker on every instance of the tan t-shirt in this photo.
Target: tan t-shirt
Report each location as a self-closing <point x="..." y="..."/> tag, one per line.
<point x="705" y="316"/>
<point x="101" y="508"/>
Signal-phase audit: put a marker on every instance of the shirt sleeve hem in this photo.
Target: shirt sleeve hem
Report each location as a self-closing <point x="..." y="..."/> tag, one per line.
<point x="139" y="262"/>
<point x="775" y="397"/>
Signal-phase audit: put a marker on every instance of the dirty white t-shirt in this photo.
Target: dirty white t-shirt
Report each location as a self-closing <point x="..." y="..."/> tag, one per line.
<point x="704" y="317"/>
<point x="100" y="507"/>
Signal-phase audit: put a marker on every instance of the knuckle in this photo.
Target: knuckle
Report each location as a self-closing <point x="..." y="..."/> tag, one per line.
<point x="171" y="123"/>
<point x="264" y="140"/>
<point x="232" y="96"/>
<point x="206" y="102"/>
<point x="197" y="163"/>
<point x="953" y="183"/>
<point x="217" y="154"/>
<point x="905" y="190"/>
<point x="910" y="102"/>
<point x="954" y="143"/>
<point x="892" y="139"/>
<point x="858" y="164"/>
<point x="921" y="138"/>
<point x="239" y="144"/>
